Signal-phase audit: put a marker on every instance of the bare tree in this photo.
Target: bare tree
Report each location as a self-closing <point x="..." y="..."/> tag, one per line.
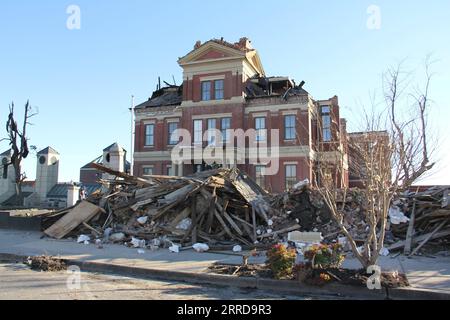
<point x="390" y="154"/>
<point x="18" y="141"/>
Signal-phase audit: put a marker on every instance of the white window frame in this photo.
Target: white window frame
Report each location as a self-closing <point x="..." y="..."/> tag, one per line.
<point x="226" y="129"/>
<point x="169" y="125"/>
<point x="198" y="131"/>
<point x="147" y="168"/>
<point x="261" y="129"/>
<point x="290" y="129"/>
<point x="290" y="175"/>
<point x="326" y="123"/>
<point x="206" y="94"/>
<point x="150" y="135"/>
<point x="220" y="90"/>
<point x="211" y="125"/>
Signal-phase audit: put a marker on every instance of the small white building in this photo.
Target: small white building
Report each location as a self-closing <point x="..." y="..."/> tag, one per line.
<point x="46" y="191"/>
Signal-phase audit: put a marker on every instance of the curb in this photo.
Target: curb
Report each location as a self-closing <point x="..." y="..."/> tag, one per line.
<point x="280" y="286"/>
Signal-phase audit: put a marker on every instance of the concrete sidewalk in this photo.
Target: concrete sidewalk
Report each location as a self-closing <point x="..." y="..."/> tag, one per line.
<point x="423" y="273"/>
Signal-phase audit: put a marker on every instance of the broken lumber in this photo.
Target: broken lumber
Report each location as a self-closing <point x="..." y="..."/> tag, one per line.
<point x="83" y="212"/>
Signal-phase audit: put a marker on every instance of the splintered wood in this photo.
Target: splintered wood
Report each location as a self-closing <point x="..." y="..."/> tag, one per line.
<point x="81" y="213"/>
<point x="219" y="207"/>
<point x="429" y="221"/>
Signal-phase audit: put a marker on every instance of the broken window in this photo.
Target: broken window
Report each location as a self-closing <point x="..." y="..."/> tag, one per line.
<point x="150" y="135"/>
<point x="198" y="131"/>
<point x="260" y="127"/>
<point x="173" y="139"/>
<point x="326" y="123"/>
<point x="289" y="127"/>
<point x="206" y="90"/>
<point x="218" y="90"/>
<point x="290" y="175"/>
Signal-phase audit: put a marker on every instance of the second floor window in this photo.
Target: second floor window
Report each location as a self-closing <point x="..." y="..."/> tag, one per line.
<point x="218" y="90"/>
<point x="260" y="127"/>
<point x="226" y="129"/>
<point x="326" y="123"/>
<point x="289" y="127"/>
<point x="150" y="135"/>
<point x="206" y="90"/>
<point x="198" y="131"/>
<point x="173" y="139"/>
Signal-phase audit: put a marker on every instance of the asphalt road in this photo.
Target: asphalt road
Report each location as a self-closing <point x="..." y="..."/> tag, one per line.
<point x="17" y="281"/>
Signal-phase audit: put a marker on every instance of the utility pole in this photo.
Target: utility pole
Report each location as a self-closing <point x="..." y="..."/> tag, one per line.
<point x="132" y="136"/>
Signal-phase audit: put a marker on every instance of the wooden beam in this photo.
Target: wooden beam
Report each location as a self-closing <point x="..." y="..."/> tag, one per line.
<point x="410" y="232"/>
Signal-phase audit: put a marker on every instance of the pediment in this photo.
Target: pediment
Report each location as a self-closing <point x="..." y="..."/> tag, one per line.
<point x="211" y="51"/>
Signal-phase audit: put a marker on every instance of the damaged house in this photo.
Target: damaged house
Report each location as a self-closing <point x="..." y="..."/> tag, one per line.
<point x="226" y="88"/>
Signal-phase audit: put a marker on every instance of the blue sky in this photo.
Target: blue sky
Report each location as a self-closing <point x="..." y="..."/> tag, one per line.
<point x="82" y="80"/>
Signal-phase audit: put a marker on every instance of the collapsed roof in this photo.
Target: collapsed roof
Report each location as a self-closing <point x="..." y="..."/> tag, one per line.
<point x="167" y="96"/>
<point x="260" y="87"/>
<point x="256" y="87"/>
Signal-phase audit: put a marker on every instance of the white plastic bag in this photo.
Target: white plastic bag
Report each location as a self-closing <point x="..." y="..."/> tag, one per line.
<point x="83" y="238"/>
<point x="237" y="248"/>
<point x="138" y="243"/>
<point x="142" y="220"/>
<point x="200" y="247"/>
<point x="185" y="224"/>
<point x="396" y="216"/>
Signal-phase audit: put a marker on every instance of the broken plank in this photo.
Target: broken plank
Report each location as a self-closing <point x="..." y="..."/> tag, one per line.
<point x="225" y="227"/>
<point x="275" y="233"/>
<point x="83" y="212"/>
<point x="428" y="237"/>
<point x="410" y="232"/>
<point x="401" y="244"/>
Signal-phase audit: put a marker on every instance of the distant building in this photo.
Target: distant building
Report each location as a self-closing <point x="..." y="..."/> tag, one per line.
<point x="46" y="191"/>
<point x="90" y="176"/>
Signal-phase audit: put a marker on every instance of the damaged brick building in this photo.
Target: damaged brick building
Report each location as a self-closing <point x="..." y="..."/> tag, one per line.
<point x="225" y="87"/>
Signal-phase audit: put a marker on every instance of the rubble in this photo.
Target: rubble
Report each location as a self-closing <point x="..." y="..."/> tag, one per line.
<point x="219" y="208"/>
<point x="305" y="205"/>
<point x="226" y="210"/>
<point x="428" y="214"/>
<point x="46" y="263"/>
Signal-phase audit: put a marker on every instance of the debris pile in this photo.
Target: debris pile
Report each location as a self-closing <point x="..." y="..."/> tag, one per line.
<point x="427" y="221"/>
<point x="46" y="263"/>
<point x="221" y="208"/>
<point x="307" y="207"/>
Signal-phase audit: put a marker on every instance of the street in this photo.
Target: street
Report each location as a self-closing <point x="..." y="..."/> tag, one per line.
<point x="17" y="281"/>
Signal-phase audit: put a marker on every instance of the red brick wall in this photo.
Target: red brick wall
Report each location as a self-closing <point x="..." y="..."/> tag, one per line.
<point x="89" y="176"/>
<point x="233" y="86"/>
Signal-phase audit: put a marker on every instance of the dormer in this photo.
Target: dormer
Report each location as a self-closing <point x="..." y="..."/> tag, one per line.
<point x="215" y="71"/>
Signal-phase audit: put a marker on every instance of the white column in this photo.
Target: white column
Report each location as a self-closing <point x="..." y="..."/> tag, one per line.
<point x="73" y="195"/>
